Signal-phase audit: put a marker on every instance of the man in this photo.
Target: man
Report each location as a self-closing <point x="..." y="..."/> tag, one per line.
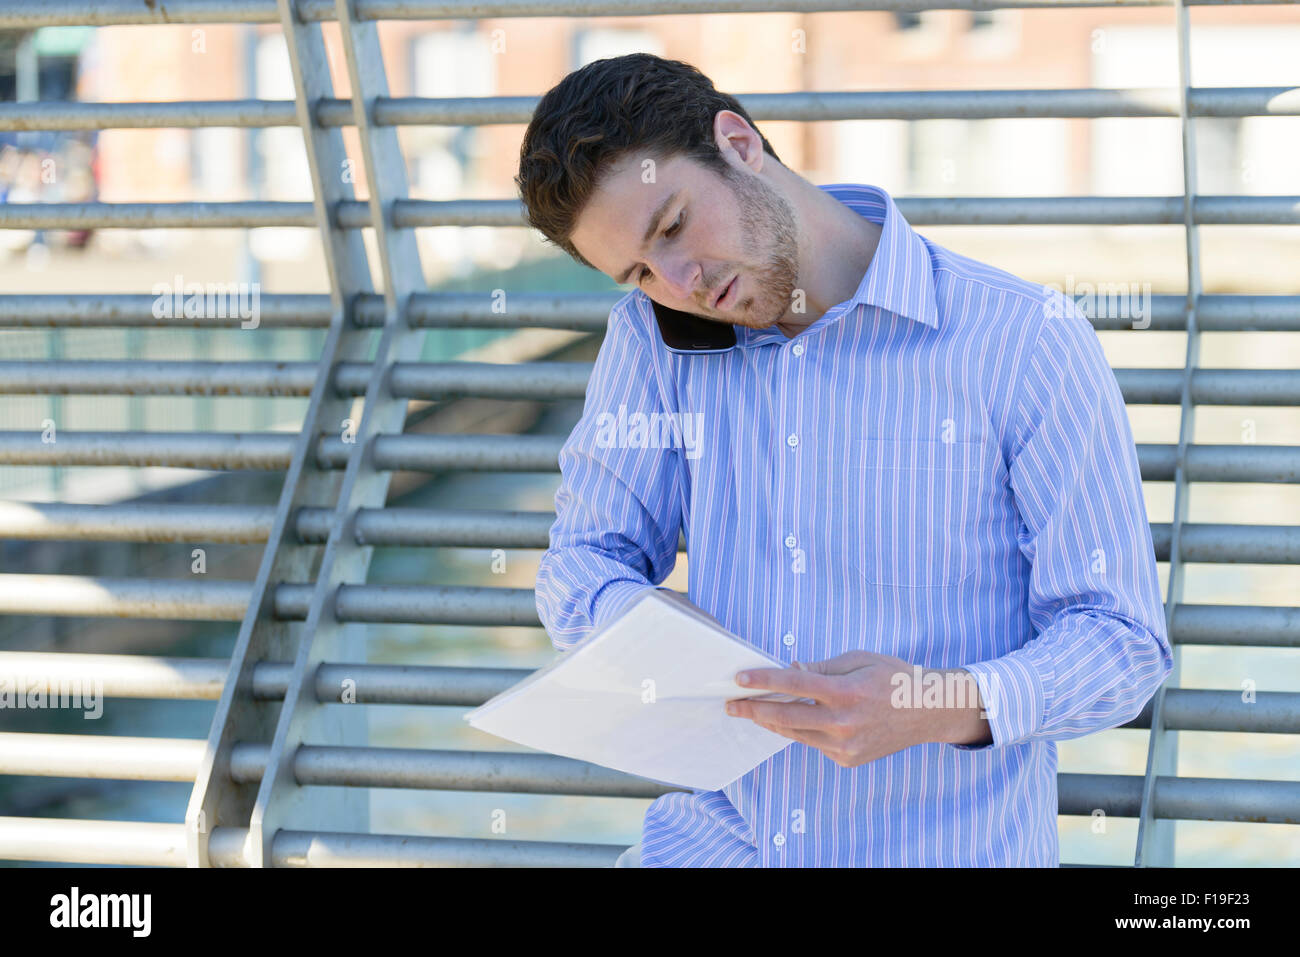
<point x="913" y="474"/>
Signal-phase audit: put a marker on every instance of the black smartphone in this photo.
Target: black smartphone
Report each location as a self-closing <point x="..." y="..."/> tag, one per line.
<point x="686" y="332"/>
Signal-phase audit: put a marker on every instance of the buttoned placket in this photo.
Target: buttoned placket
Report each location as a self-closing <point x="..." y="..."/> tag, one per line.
<point x="791" y="351"/>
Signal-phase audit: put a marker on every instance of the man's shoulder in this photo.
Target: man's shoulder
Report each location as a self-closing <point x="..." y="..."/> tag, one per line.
<point x="632" y="343"/>
<point x="634" y="314"/>
<point x="632" y="319"/>
<point x="1023" y="304"/>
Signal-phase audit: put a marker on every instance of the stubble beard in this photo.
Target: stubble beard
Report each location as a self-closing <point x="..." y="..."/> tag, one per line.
<point x="772" y="240"/>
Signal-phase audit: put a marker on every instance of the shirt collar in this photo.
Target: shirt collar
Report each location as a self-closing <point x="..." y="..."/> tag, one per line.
<point x="899" y="278"/>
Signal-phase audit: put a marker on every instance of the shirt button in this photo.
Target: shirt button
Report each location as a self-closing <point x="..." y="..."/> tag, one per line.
<point x="797" y="348"/>
<point x="790" y="541"/>
<point x="788" y="639"/>
<point x="778" y="839"/>
<point x="792" y="440"/>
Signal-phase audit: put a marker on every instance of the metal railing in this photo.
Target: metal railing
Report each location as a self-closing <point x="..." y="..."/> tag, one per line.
<point x="277" y="697"/>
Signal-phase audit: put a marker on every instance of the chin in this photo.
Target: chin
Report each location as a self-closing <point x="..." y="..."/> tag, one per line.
<point x="777" y="316"/>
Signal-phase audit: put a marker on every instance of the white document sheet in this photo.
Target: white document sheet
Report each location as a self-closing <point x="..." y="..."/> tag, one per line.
<point x="645" y="694"/>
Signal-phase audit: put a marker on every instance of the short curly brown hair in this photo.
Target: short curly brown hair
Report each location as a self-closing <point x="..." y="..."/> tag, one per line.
<point x="598" y="114"/>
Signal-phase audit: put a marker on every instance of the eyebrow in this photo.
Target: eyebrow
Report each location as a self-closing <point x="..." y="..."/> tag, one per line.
<point x="655" y="219"/>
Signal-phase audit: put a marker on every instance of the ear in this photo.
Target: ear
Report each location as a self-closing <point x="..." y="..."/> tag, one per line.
<point x="737" y="140"/>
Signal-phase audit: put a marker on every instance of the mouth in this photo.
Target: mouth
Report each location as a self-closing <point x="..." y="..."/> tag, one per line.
<point x="726" y="295"/>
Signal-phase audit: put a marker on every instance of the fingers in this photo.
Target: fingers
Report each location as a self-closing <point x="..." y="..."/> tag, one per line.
<point x="814" y="739"/>
<point x="799" y="682"/>
<point x="780" y="716"/>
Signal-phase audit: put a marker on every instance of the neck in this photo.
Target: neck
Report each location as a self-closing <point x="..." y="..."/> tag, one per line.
<point x="836" y="255"/>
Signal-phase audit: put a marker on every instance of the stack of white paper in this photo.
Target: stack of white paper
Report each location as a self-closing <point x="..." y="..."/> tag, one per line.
<point x="645" y="694"/>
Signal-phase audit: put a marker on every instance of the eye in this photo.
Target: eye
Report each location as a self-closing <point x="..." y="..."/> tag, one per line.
<point x="670" y="231"/>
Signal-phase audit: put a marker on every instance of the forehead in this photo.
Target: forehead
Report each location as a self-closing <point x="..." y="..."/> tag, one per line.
<point x="609" y="230"/>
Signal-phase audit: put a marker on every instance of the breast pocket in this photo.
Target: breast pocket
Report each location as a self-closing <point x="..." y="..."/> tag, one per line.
<point x="919" y="508"/>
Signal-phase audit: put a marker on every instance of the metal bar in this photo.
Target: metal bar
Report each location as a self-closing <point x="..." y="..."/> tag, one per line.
<point x="447" y="527"/>
<point x="588" y="312"/>
<point x="54" y="755"/>
<point x="1196" y="709"/>
<point x="411" y="380"/>
<point x="100" y="756"/>
<point x="114" y="12"/>
<point x="248" y="214"/>
<point x="186" y="114"/>
<point x="1155" y="846"/>
<point x="198" y="450"/>
<point x="823" y="106"/>
<point x="110" y="757"/>
<point x="137" y="377"/>
<point x="163" y="845"/>
<point x="442" y="770"/>
<point x="522" y="380"/>
<point x="1221" y="463"/>
<point x="86" y="596"/>
<point x="132" y="522"/>
<point x="1211" y="386"/>
<point x="1245" y="544"/>
<point x="115" y="676"/>
<point x="78" y="595"/>
<point x="1259" y="626"/>
<point x="483" y="528"/>
<point x="141" y="676"/>
<point x="919" y="211"/>
<point x="70" y="841"/>
<point x="1200" y="799"/>
<point x="250" y="525"/>
<point x="426" y="213"/>
<point x="505" y="453"/>
<point x="114" y="310"/>
<point x="75" y="595"/>
<point x="805" y="106"/>
<point x="449" y="380"/>
<point x="332" y="849"/>
<point x="272" y="450"/>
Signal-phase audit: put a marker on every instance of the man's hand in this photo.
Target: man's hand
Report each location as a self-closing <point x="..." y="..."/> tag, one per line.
<point x="855" y="719"/>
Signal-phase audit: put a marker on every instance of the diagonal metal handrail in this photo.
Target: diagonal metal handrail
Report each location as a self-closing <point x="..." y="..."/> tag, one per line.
<point x="282" y="802"/>
<point x="1155" y="836"/>
<point x="240" y="719"/>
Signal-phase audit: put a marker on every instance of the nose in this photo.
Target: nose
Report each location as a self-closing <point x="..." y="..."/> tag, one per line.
<point x="681" y="275"/>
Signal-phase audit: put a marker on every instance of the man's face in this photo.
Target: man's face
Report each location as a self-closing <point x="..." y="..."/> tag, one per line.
<point x="711" y="228"/>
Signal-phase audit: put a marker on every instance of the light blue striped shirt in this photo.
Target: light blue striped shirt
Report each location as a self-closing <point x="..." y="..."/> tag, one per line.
<point x="941" y="469"/>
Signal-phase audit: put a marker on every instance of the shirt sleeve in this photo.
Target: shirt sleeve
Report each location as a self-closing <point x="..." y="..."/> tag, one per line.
<point x="618" y="506"/>
<point x="1100" y="649"/>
